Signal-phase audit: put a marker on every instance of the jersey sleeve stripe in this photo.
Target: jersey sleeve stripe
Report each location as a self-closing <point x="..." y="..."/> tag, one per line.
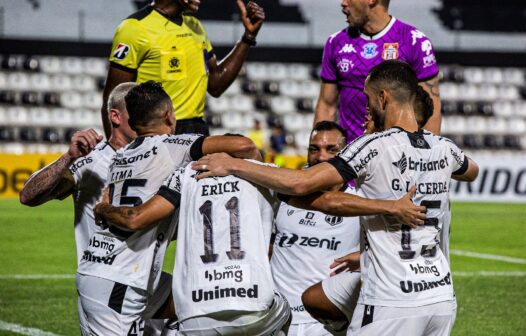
<point x="122" y="67"/>
<point x="196" y="151"/>
<point x="463" y="168"/>
<point x="170" y="195"/>
<point x="346" y="171"/>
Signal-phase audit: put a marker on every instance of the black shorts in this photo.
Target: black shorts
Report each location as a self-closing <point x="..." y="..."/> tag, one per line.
<point x="192" y="126"/>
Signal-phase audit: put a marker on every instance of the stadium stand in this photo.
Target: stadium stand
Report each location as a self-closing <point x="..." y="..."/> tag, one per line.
<point x="44" y="99"/>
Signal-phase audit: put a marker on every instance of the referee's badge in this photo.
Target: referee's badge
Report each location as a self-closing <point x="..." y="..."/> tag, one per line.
<point x="121" y="51"/>
<point x="390" y="51"/>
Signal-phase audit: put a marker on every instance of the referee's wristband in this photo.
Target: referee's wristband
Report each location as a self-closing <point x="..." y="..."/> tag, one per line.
<point x="250" y="41"/>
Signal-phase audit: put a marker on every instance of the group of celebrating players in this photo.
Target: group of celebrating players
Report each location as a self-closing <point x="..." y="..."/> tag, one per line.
<point x="356" y="243"/>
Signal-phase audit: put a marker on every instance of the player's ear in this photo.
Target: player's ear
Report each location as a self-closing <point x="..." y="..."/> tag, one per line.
<point x="115" y="118"/>
<point x="382" y="98"/>
<point x="169" y="118"/>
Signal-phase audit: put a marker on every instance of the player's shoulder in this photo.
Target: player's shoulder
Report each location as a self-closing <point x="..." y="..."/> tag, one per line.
<point x="369" y="143"/>
<point x="178" y="139"/>
<point x="102" y="151"/>
<point x="408" y="31"/>
<point x="337" y="35"/>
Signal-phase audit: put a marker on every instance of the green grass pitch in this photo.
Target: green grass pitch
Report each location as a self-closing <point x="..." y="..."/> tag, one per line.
<point x="40" y="241"/>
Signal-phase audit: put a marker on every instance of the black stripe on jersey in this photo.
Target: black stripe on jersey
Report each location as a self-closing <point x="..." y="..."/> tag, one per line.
<point x="431" y="204"/>
<point x="136" y="143"/>
<point x="368" y="313"/>
<point x="367" y="139"/>
<point x="463" y="168"/>
<point x="417" y="140"/>
<point x="331" y="81"/>
<point x="141" y="13"/>
<point x="346" y="171"/>
<point x="170" y="195"/>
<point x="196" y="151"/>
<point x="117" y="297"/>
<point x="123" y="68"/>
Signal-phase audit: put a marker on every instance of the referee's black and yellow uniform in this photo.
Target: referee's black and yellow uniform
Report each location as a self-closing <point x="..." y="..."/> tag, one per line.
<point x="173" y="51"/>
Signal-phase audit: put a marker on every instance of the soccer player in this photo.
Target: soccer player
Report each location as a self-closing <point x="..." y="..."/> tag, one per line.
<point x="165" y="42"/>
<point x="371" y="37"/>
<point x="82" y="171"/>
<point x="307" y="242"/>
<point x="223" y="283"/>
<point x="406" y="280"/>
<point x="119" y="272"/>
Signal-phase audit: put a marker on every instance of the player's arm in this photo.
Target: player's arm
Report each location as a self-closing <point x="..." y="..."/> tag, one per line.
<point x="134" y="218"/>
<point x="115" y="77"/>
<point x="222" y="74"/>
<point x="236" y="145"/>
<point x="432" y="87"/>
<point x="55" y="180"/>
<point x="347" y="205"/>
<point x="286" y="181"/>
<point x="468" y="172"/>
<point x="327" y="105"/>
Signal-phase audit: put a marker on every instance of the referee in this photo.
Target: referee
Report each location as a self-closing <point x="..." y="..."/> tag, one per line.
<point x="166" y="43"/>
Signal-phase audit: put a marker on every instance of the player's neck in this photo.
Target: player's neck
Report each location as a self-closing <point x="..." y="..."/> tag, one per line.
<point x="402" y="116"/>
<point x="118" y="140"/>
<point x="159" y="130"/>
<point x="377" y="22"/>
<point x="169" y="8"/>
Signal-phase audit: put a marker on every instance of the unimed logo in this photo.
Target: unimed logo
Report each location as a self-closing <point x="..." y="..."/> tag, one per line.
<point x="220" y="293"/>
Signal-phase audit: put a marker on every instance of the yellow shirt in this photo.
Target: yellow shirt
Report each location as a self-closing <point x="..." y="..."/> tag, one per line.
<point x="176" y="54"/>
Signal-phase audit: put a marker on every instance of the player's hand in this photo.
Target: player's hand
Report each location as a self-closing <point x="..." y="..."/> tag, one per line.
<point x="408" y="213"/>
<point x="83" y="142"/>
<point x="347" y="263"/>
<point x="252" y="16"/>
<point x="98" y="210"/>
<point x="213" y="165"/>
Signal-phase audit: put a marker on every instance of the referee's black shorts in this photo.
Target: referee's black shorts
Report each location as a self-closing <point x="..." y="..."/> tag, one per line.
<point x="192" y="126"/>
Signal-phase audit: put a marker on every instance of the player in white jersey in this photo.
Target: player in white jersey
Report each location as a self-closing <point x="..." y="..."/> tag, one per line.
<point x="222" y="279"/>
<point x="82" y="170"/>
<point x="407" y="288"/>
<point x="120" y="270"/>
<point x="313" y="240"/>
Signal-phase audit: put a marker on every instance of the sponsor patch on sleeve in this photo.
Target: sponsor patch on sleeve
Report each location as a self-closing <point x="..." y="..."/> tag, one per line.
<point x="121" y="51"/>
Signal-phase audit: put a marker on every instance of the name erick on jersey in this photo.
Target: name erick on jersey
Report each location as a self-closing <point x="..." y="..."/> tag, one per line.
<point x="89" y="173"/>
<point x="404" y="267"/>
<point x="306" y="243"/>
<point x="349" y="56"/>
<point x="222" y="245"/>
<point x="135" y="175"/>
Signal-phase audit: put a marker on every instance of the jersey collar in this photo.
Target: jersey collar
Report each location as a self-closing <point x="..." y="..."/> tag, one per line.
<point x="381" y="33"/>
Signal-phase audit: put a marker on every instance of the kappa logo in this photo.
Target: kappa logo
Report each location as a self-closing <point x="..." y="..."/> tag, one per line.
<point x="416" y="35"/>
<point x="347" y="48"/>
<point x="369" y="50"/>
<point x="333" y="220"/>
<point x="121" y="51"/>
<point x="401" y="164"/>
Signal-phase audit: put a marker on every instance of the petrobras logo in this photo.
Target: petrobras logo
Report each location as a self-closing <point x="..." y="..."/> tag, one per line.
<point x="121" y="51"/>
<point x="344" y="65"/>
<point x="347" y="49"/>
<point x="369" y="50"/>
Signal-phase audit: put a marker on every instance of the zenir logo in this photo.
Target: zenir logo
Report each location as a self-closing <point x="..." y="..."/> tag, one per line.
<point x="401" y="164"/>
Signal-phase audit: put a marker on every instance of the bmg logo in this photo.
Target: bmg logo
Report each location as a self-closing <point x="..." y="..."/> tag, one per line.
<point x="214" y="275"/>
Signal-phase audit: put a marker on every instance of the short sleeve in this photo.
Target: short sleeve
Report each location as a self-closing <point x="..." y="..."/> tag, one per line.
<point x="459" y="162"/>
<point x="171" y="188"/>
<point x="423" y="59"/>
<point x="355" y="159"/>
<point x="328" y="69"/>
<point x="184" y="148"/>
<point x="130" y="45"/>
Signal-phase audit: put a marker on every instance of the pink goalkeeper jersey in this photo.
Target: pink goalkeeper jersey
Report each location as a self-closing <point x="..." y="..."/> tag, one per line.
<point x="349" y="56"/>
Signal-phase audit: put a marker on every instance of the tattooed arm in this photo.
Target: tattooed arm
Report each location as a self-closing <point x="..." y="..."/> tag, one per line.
<point x="136" y="218"/>
<point x="432" y="87"/>
<point x="55" y="180"/>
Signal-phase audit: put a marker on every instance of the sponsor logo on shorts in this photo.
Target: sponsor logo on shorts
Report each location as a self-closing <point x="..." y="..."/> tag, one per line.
<point x="409" y="286"/>
<point x="225" y="292"/>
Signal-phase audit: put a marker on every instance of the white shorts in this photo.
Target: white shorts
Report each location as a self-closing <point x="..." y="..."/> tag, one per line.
<point x="263" y="323"/>
<point x="431" y="320"/>
<point x="110" y="308"/>
<point x="343" y="291"/>
<point x="309" y="329"/>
